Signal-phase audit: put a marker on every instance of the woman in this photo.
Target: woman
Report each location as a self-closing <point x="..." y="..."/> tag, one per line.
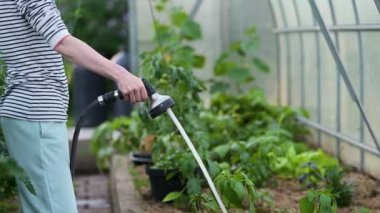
<point x="33" y="108"/>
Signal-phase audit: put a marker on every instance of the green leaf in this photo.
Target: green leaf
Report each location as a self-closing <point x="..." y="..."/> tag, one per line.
<point x="244" y="156"/>
<point x="222" y="150"/>
<point x="221" y="184"/>
<point x="212" y="205"/>
<point x="238" y="194"/>
<point x="250" y="32"/>
<point x="306" y="206"/>
<point x="239" y="189"/>
<point x="364" y="210"/>
<point x="325" y="201"/>
<point x="239" y="74"/>
<point x="183" y="57"/>
<point x="187" y="164"/>
<point x="199" y="61"/>
<point x="159" y="7"/>
<point x="310" y="196"/>
<point x="249" y="46"/>
<point x="28" y="184"/>
<point x="171" y="175"/>
<point x="193" y="186"/>
<point x="235" y="46"/>
<point x="172" y="196"/>
<point x="213" y="168"/>
<point x="252" y="208"/>
<point x="191" y="30"/>
<point x="104" y="152"/>
<point x="179" y="17"/>
<point x="224" y="166"/>
<point x="261" y="65"/>
<point x="219" y="87"/>
<point x="222" y="67"/>
<point x="11" y="169"/>
<point x="334" y="207"/>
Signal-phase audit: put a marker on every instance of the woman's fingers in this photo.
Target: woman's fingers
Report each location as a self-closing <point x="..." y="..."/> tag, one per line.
<point x="132" y="98"/>
<point x="137" y="95"/>
<point x="144" y="94"/>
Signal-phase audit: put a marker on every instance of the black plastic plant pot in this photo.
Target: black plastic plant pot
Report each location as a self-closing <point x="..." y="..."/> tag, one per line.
<point x="141" y="158"/>
<point x="161" y="185"/>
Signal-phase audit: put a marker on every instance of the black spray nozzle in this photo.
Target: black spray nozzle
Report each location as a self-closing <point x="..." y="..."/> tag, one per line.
<point x="158" y="103"/>
<point x="112" y="96"/>
<point x="149" y="89"/>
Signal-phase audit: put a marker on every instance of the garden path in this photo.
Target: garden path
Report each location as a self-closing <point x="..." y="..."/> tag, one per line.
<point x="92" y="192"/>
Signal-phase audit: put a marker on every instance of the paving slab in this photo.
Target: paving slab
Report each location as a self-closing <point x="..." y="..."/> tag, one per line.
<point x="93" y="193"/>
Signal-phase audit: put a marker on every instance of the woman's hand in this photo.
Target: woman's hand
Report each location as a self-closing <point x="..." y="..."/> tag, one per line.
<point x="131" y="86"/>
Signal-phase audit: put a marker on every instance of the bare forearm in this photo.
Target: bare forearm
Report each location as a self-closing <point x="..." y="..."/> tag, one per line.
<point x="80" y="53"/>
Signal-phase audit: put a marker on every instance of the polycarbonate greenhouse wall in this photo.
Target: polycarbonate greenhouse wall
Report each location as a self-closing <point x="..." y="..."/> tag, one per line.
<point x="308" y="75"/>
<point x="304" y="73"/>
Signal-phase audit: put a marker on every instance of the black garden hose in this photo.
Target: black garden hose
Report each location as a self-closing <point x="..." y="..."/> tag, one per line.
<point x="76" y="134"/>
<point x="102" y="100"/>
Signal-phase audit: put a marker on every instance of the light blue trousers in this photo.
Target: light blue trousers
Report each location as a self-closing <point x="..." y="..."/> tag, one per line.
<point x="41" y="149"/>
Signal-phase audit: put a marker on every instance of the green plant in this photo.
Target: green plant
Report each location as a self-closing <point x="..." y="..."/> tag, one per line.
<point x="138" y="181"/>
<point x="318" y="202"/>
<point x="312" y="176"/>
<point x="170" y="68"/>
<point x="102" y="23"/>
<point x="120" y="135"/>
<point x="7" y="183"/>
<point x="202" y="201"/>
<point x="238" y="63"/>
<point x="236" y="187"/>
<point x="253" y="115"/>
<point x="10" y="171"/>
<point x="342" y="192"/>
<point x="297" y="164"/>
<point x="8" y="206"/>
<point x="364" y="210"/>
<point x="3" y="71"/>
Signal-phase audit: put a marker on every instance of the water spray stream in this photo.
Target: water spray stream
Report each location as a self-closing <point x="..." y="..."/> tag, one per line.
<point x="198" y="159"/>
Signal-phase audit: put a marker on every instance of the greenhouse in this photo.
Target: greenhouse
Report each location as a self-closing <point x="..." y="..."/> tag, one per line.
<point x="190" y="106"/>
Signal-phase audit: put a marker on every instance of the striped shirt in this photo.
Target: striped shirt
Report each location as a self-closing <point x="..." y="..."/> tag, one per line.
<point x="36" y="84"/>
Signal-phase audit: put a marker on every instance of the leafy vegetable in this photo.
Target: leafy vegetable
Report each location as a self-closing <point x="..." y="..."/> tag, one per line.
<point x="318" y="202"/>
<point x="172" y="196"/>
<point x="342" y="192"/>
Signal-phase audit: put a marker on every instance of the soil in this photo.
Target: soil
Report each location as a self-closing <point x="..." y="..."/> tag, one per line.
<point x="366" y="193"/>
<point x="150" y="205"/>
<point x="286" y="195"/>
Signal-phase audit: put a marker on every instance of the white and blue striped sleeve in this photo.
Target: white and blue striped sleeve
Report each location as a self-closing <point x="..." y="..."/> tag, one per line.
<point x="45" y="19"/>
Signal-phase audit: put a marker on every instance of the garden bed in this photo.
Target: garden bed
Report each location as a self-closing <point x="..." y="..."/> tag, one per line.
<point x="246" y="142"/>
<point x="286" y="194"/>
